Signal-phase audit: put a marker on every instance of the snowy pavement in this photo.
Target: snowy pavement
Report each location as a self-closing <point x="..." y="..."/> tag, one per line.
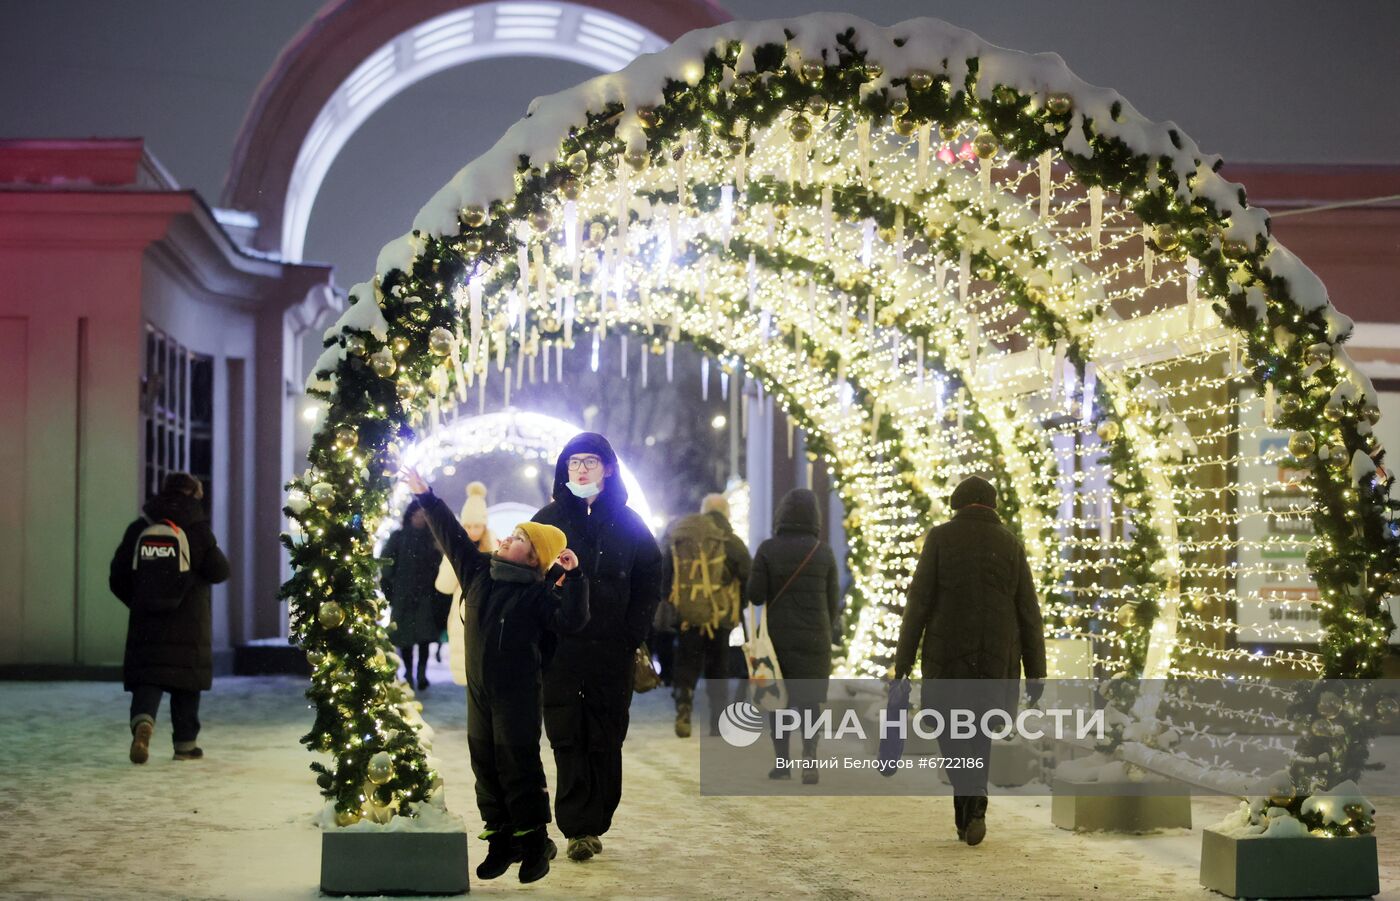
<point x="78" y="821"/>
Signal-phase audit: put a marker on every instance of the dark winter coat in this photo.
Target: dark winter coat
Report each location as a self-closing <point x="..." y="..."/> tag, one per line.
<point x="171" y="649"/>
<point x="972" y="604"/>
<point x="504" y="622"/>
<point x="408" y="578"/>
<point x="800" y="617"/>
<point x="616" y="551"/>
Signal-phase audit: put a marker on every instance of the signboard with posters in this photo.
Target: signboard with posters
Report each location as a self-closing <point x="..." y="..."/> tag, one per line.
<point x="1275" y="594"/>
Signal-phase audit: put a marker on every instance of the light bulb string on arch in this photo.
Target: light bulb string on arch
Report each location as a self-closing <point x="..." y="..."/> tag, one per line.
<point x="1253" y="289"/>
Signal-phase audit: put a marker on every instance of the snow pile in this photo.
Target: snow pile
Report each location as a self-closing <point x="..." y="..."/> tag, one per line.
<point x="428" y="817"/>
<point x="1332" y="804"/>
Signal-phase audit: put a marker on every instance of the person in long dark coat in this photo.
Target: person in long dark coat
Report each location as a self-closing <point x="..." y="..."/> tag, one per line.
<point x="408" y="581"/>
<point x="795" y="576"/>
<point x="973" y="609"/>
<point x="588" y="686"/>
<point x="170" y="652"/>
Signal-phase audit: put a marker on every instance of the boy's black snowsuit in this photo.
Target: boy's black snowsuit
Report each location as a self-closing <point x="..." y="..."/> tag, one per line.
<point x="506" y="611"/>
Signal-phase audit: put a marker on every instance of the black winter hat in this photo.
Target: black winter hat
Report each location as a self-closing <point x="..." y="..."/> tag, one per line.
<point x="973" y="490"/>
<point x="588" y="443"/>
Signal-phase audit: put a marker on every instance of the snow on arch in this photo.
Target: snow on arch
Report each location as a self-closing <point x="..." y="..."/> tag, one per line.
<point x="1096" y="122"/>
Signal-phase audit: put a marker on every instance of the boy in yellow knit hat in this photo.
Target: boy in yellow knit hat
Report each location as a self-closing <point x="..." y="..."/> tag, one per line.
<point x="531" y="585"/>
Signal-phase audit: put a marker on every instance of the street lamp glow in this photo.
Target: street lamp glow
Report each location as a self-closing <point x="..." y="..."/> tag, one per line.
<point x="530" y="470"/>
<point x="719" y="422"/>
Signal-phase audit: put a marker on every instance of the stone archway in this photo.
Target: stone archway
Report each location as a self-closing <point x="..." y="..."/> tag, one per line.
<point x="941" y="257"/>
<point x="357" y="54"/>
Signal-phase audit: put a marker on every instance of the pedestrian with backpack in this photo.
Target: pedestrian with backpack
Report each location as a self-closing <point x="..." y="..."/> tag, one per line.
<point x="162" y="570"/>
<point x="706" y="570"/>
<point x="795" y="582"/>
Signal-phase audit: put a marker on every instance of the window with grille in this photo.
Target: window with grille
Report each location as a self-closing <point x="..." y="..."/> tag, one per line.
<point x="177" y="413"/>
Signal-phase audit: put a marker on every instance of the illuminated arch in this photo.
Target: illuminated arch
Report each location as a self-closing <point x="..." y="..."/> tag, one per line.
<point x="355" y="56"/>
<point x="855" y="215"/>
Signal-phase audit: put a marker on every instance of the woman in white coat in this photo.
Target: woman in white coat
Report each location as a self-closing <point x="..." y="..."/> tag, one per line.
<point x="474" y="521"/>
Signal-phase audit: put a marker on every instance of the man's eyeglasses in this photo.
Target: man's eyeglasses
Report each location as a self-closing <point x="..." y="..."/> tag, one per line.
<point x="589" y="463"/>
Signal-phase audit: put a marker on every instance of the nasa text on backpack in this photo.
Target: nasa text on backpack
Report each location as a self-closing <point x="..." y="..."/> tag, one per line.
<point x="161" y="575"/>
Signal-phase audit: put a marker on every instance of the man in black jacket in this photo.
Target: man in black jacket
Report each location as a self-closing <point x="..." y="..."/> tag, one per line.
<point x="972" y="607"/>
<point x="588" y="686"/>
<point x="170" y="651"/>
<point x="704" y="647"/>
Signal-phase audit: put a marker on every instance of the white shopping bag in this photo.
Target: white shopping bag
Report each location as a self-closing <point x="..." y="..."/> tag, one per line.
<point x="766" y="688"/>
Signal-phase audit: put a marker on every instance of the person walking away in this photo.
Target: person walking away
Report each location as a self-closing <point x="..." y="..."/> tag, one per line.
<point x="706" y="569"/>
<point x="511" y="599"/>
<point x="972" y="609"/>
<point x="411" y="566"/>
<point x="473" y="519"/>
<point x="588" y="686"/>
<point x="795" y="577"/>
<point x="161" y="571"/>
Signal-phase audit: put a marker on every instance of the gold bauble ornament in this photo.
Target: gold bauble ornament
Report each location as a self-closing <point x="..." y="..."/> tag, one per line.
<point x="920" y="80"/>
<point x="472" y="244"/>
<point x="380" y="768"/>
<point x="383" y="363"/>
<point x="1355" y="810"/>
<point x="347" y="817"/>
<point x="1235" y="250"/>
<point x="816" y="105"/>
<point x="378" y="659"/>
<point x="405" y="390"/>
<point x="346" y="438"/>
<point x="550" y="325"/>
<point x="1302" y="444"/>
<point x="781" y="211"/>
<point x="1333" y="413"/>
<point x="1059" y="103"/>
<point x="799" y="128"/>
<point x="1329" y="705"/>
<point x="1371" y="413"/>
<point x="322" y="494"/>
<point x="1319" y="354"/>
<point x="812" y="71"/>
<point x="315" y="658"/>
<point x="1126" y="615"/>
<point x="539" y="220"/>
<point x="577" y="162"/>
<point x="331" y="615"/>
<point x="570" y="188"/>
<point x="636" y="158"/>
<point x="649" y="115"/>
<point x="1337" y="456"/>
<point x="344" y="675"/>
<point x="1165" y="238"/>
<point x="474" y="216"/>
<point x="420" y="314"/>
<point x="1290" y="403"/>
<point x="355" y="345"/>
<point x="899" y="107"/>
<point x="399" y="344"/>
<point x="905" y="127"/>
<point x="985" y="145"/>
<point x="1322" y="727"/>
<point x="440" y="342"/>
<point x="873" y="71"/>
<point x="1108" y="430"/>
<point x="949" y="132"/>
<point x="1281" y="796"/>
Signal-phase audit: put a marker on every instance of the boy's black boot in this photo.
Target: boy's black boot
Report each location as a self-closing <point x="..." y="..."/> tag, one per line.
<point x="537" y="849"/>
<point x="502" y="850"/>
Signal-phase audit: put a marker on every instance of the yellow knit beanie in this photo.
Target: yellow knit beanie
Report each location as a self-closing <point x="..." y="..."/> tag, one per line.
<point x="548" y="541"/>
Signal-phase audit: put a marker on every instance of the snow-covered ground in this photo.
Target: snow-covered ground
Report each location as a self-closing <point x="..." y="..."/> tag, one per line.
<point x="78" y="821"/>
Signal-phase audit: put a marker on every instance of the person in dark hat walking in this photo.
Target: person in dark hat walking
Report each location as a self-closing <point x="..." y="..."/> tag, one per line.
<point x="588" y="686"/>
<point x="972" y="608"/>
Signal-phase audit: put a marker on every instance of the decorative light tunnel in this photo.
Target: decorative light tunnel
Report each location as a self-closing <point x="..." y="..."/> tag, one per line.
<point x="941" y="257"/>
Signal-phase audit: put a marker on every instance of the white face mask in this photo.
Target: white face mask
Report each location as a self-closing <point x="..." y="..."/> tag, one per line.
<point x="584" y="491"/>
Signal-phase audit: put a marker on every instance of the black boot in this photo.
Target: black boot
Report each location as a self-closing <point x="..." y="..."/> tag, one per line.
<point x="422" y="666"/>
<point x="960" y="816"/>
<point x="685" y="699"/>
<point x="809" y="752"/>
<point x="502" y="850"/>
<point x="976" y="819"/>
<point x="407" y="655"/>
<point x="536" y="851"/>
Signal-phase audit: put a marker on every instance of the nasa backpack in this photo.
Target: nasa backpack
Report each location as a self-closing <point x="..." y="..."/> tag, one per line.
<point x="161" y="575"/>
